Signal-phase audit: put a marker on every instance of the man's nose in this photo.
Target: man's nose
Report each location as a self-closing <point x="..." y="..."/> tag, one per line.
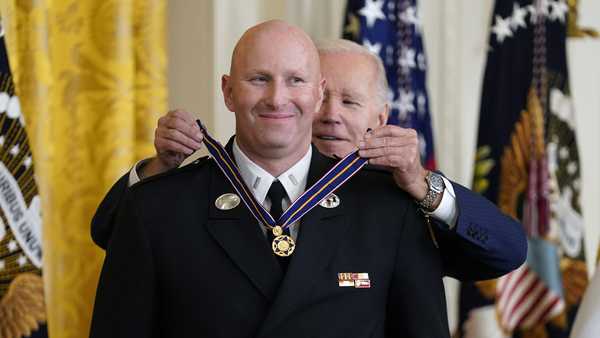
<point x="277" y="95"/>
<point x="330" y="112"/>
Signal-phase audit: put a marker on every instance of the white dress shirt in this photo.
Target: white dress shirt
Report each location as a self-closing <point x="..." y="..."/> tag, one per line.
<point x="294" y="182"/>
<point x="259" y="181"/>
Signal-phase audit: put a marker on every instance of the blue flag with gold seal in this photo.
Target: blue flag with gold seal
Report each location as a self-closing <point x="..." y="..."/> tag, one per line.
<point x="528" y="164"/>
<point x="22" y="305"/>
<point x="391" y="29"/>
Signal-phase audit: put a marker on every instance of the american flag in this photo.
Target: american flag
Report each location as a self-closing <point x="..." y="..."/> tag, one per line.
<point x="391" y="29"/>
<point x="524" y="300"/>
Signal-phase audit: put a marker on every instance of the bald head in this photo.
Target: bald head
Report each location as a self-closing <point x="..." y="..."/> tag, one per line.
<point x="275" y="34"/>
<point x="274" y="88"/>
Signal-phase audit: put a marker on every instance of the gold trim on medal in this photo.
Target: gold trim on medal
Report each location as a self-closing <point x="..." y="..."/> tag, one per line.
<point x="283" y="245"/>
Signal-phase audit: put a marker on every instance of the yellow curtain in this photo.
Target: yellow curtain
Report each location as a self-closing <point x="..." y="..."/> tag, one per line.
<point x="91" y="79"/>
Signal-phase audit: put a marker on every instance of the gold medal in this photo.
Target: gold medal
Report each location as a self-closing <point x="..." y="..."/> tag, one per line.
<point x="283" y="245"/>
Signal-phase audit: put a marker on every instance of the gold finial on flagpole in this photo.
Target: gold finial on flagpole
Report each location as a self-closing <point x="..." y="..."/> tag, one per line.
<point x="573" y="29"/>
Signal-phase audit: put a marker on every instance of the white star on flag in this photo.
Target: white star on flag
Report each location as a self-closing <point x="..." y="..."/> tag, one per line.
<point x="27" y="162"/>
<point x="518" y="17"/>
<point x="407" y="58"/>
<point x="502" y="29"/>
<point x="410" y="16"/>
<point x="373" y="48"/>
<point x="12" y="246"/>
<point x="396" y="105"/>
<point x="22" y="260"/>
<point x="563" y="153"/>
<point x="572" y="168"/>
<point x="405" y="105"/>
<point x="372" y="11"/>
<point x="14" y="150"/>
<point x="559" y="11"/>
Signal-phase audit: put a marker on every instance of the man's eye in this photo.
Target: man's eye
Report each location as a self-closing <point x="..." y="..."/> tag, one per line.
<point x="350" y="103"/>
<point x="296" y="80"/>
<point x="259" y="79"/>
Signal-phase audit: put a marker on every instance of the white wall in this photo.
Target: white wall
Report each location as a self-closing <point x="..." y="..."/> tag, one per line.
<point x="202" y="35"/>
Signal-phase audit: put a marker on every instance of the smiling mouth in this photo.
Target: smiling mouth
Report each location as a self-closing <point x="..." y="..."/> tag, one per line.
<point x="281" y="115"/>
<point x="329" y="138"/>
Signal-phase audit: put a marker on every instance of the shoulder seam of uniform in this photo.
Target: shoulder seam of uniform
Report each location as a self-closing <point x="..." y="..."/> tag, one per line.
<point x="175" y="171"/>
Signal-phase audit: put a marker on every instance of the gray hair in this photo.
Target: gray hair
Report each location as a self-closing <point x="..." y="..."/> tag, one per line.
<point x="335" y="46"/>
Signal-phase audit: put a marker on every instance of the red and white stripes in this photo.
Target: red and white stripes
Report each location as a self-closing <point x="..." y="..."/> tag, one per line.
<point x="523" y="300"/>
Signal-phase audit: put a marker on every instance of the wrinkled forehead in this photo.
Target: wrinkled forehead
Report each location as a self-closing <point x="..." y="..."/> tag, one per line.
<point x="275" y="47"/>
<point x="349" y="73"/>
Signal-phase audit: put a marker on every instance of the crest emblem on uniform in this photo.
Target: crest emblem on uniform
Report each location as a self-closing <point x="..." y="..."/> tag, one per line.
<point x="330" y="202"/>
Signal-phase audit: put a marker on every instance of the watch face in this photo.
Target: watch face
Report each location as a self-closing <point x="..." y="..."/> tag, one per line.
<point x="436" y="182"/>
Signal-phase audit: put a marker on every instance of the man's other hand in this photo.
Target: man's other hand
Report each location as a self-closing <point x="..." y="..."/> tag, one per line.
<point x="176" y="137"/>
<point x="397" y="149"/>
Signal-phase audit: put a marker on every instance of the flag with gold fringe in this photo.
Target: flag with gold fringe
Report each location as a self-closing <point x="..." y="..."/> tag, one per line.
<point x="528" y="164"/>
<point x="22" y="305"/>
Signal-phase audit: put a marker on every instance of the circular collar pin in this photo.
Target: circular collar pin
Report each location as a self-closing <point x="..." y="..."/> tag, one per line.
<point x="227" y="201"/>
<point x="330" y="202"/>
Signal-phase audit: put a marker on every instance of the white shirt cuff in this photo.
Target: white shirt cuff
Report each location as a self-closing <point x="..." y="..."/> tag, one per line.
<point x="447" y="211"/>
<point x="133" y="174"/>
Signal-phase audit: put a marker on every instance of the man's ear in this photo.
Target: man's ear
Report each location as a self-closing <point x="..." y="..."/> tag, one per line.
<point x="227" y="91"/>
<point x="382" y="116"/>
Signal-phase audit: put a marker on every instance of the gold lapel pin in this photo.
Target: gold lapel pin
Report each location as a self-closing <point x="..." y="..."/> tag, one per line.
<point x="330" y="202"/>
<point x="227" y="201"/>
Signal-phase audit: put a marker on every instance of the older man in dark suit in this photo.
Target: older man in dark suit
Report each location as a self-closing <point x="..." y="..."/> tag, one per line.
<point x="181" y="263"/>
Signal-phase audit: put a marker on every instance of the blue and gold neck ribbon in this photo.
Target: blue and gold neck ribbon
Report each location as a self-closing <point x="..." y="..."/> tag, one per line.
<point x="333" y="179"/>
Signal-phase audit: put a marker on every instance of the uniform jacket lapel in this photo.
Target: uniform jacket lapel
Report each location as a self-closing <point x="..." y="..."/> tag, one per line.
<point x="321" y="230"/>
<point x="239" y="234"/>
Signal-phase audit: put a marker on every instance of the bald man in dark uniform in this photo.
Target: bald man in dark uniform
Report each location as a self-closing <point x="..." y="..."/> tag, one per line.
<point x="178" y="264"/>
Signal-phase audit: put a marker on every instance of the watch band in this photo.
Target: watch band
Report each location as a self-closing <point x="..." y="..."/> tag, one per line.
<point x="436" y="186"/>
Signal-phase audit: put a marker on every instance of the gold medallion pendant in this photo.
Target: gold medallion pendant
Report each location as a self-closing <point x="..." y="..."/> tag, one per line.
<point x="283" y="245"/>
<point x="277" y="231"/>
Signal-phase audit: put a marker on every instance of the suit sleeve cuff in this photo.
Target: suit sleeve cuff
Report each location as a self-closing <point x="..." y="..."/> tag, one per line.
<point x="447" y="211"/>
<point x="133" y="174"/>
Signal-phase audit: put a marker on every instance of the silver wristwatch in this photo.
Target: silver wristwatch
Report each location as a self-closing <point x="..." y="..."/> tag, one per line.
<point x="436" y="186"/>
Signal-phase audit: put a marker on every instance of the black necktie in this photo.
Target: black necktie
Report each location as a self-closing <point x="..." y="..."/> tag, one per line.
<point x="276" y="194"/>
